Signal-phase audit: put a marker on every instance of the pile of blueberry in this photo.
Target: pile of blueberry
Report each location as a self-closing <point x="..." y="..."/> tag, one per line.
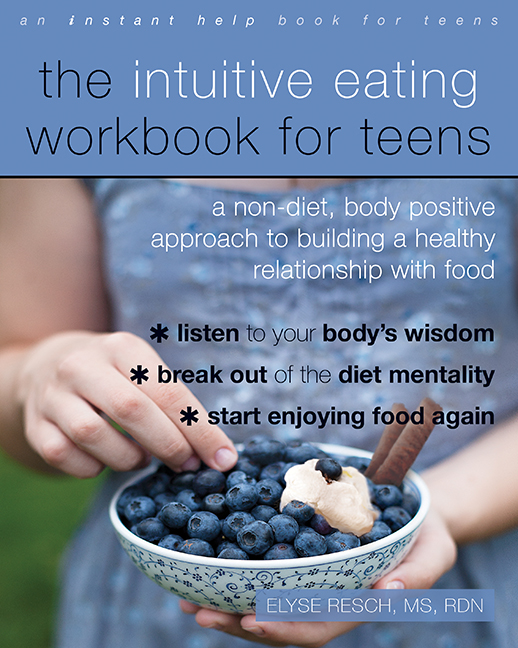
<point x="236" y="514"/>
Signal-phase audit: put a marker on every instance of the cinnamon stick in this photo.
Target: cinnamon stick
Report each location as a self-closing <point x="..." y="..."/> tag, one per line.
<point x="408" y="445"/>
<point x="388" y="438"/>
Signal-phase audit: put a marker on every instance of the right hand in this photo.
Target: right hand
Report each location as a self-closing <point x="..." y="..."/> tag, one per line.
<point x="69" y="380"/>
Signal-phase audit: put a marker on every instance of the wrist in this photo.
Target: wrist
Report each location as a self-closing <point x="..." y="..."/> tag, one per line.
<point x="461" y="514"/>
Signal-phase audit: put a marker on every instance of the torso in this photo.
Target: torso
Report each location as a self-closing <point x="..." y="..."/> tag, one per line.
<point x="217" y="287"/>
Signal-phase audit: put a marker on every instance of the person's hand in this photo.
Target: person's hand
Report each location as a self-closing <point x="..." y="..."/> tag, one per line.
<point x="433" y="554"/>
<point x="69" y="381"/>
<point x="311" y="634"/>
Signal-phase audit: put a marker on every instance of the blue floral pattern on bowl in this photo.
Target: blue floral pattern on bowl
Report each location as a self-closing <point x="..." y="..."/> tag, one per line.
<point x="230" y="585"/>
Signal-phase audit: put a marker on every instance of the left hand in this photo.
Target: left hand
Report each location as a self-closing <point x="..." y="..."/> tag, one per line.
<point x="433" y="554"/>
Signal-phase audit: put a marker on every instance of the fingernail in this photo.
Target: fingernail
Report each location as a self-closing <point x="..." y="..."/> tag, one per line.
<point x="259" y="632"/>
<point x="395" y="584"/>
<point x="193" y="463"/>
<point x="225" y="459"/>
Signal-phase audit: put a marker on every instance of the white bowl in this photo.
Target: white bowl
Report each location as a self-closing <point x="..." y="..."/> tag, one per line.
<point x="230" y="585"/>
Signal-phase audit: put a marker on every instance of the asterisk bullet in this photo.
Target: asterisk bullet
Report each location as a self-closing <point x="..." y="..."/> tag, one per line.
<point x="139" y="374"/>
<point x="159" y="333"/>
<point x="189" y="416"/>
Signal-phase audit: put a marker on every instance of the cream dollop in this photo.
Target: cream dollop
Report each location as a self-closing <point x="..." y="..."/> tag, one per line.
<point x="344" y="503"/>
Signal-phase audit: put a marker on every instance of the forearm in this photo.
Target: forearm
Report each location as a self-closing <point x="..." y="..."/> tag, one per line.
<point x="50" y="282"/>
<point x="476" y="490"/>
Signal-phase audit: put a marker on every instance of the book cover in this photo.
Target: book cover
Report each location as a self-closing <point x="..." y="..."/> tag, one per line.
<point x="228" y="221"/>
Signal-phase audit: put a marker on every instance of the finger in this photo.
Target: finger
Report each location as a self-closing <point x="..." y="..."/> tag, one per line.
<point x="208" y="442"/>
<point x="230" y="624"/>
<point x="151" y="413"/>
<point x="188" y="607"/>
<point x="141" y="416"/>
<point x="274" y="633"/>
<point x="60" y="452"/>
<point x="310" y="635"/>
<point x="432" y="555"/>
<point x="78" y="420"/>
<point x="109" y="391"/>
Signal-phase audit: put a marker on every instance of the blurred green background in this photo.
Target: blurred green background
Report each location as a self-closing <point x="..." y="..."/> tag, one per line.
<point x="38" y="514"/>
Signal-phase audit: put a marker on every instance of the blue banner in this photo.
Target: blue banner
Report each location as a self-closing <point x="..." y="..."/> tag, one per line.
<point x="241" y="88"/>
<point x="375" y="605"/>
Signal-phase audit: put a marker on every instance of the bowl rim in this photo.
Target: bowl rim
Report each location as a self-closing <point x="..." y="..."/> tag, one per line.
<point x="292" y="563"/>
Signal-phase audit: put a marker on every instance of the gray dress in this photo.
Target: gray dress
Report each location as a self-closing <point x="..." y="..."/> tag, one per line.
<point x="106" y="602"/>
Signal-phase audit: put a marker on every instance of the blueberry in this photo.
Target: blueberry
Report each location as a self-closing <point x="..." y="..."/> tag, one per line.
<point x="255" y="538"/>
<point x="281" y="551"/>
<point x="155" y="484"/>
<point x="197" y="547"/>
<point x="301" y="511"/>
<point x="203" y="525"/>
<point x="386" y="495"/>
<point x="410" y="502"/>
<point x="256" y="438"/>
<point x="305" y="527"/>
<point x="199" y="498"/>
<point x="252" y="443"/>
<point x="319" y="524"/>
<point x="269" y="491"/>
<point x="126" y="496"/>
<point x="330" y="468"/>
<point x="234" y="553"/>
<point x="162" y="468"/>
<point x="263" y="512"/>
<point x="215" y="503"/>
<point x="249" y="467"/>
<point x="371" y="486"/>
<point x="379" y="530"/>
<point x="287" y="466"/>
<point x="190" y="499"/>
<point x="320" y="454"/>
<point x="309" y="543"/>
<point x="242" y="497"/>
<point x="151" y="529"/>
<point x="171" y="541"/>
<point x="396" y="517"/>
<point x="175" y="515"/>
<point x="139" y="509"/>
<point x="237" y="476"/>
<point x="208" y="481"/>
<point x="264" y="451"/>
<point x="164" y="498"/>
<point x="219" y="539"/>
<point x="224" y="544"/>
<point x="285" y="528"/>
<point x="360" y="463"/>
<point x="234" y="523"/>
<point x="273" y="471"/>
<point x="376" y="510"/>
<point x="299" y="452"/>
<point x="182" y="481"/>
<point x="339" y="541"/>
